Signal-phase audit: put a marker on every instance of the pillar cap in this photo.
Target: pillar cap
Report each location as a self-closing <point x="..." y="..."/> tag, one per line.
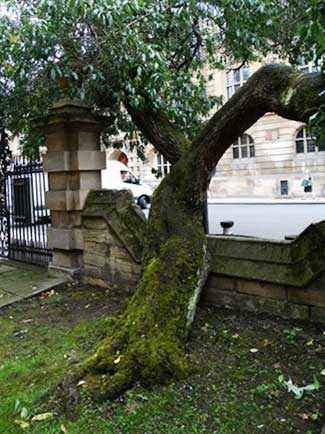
<point x="68" y="102"/>
<point x="67" y="110"/>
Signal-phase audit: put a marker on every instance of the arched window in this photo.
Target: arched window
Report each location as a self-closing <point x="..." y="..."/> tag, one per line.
<point x="235" y="79"/>
<point x="243" y="147"/>
<point x="305" y="142"/>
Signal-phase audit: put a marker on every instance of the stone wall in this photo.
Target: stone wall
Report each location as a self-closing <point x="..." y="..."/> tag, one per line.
<point x="285" y="278"/>
<point x="114" y="230"/>
<point x="279" y="277"/>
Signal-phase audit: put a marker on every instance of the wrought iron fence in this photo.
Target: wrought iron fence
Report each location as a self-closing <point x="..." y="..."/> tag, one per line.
<point x="5" y="158"/>
<point x="24" y="217"/>
<point x="29" y="218"/>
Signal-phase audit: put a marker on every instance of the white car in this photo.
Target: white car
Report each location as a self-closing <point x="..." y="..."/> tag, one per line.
<point x="117" y="176"/>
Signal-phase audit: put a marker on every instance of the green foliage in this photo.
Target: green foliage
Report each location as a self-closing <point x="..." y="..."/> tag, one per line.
<point x="291" y="335"/>
<point x="146" y="52"/>
<point x="312" y="40"/>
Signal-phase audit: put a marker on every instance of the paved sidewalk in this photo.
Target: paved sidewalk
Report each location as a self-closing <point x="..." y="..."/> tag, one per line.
<point x="19" y="281"/>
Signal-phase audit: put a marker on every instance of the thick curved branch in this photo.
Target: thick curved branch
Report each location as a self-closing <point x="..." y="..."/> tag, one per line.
<point x="273" y="88"/>
<point x="159" y="131"/>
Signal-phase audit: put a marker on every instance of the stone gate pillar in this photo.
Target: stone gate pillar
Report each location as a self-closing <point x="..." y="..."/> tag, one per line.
<point x="73" y="163"/>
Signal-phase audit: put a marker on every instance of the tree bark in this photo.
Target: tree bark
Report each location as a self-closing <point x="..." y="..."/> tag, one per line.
<point x="164" y="135"/>
<point x="147" y="343"/>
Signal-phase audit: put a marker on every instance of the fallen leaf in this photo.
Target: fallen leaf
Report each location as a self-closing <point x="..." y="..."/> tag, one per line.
<point x="13" y="38"/>
<point x="276" y="366"/>
<point x="24" y="413"/>
<point x="297" y="391"/>
<point x="22" y="423"/>
<point x="42" y="416"/>
<point x="48" y="294"/>
<point x="63" y="429"/>
<point x="26" y="321"/>
<point x="20" y="332"/>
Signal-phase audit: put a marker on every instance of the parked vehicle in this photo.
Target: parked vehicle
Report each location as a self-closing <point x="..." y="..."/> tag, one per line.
<point x="117" y="176"/>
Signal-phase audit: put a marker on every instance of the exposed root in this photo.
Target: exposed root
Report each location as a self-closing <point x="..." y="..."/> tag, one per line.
<point x="65" y="397"/>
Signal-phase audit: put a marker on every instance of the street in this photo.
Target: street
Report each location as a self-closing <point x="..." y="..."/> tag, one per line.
<point x="265" y="219"/>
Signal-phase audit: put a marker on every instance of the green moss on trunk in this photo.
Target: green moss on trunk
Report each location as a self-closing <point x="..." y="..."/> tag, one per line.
<point x="147" y="344"/>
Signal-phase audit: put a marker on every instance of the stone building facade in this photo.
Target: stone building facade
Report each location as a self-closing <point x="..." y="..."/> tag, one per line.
<point x="275" y="159"/>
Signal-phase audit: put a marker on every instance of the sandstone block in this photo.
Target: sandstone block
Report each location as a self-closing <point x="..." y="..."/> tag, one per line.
<point x="309" y="296"/>
<point x="65" y="239"/>
<point x="261" y="289"/>
<point x="221" y="282"/>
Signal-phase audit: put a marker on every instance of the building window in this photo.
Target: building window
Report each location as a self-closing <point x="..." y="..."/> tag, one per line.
<point x="134" y="158"/>
<point x="305" y="142"/>
<point x="163" y="166"/>
<point x="305" y="66"/>
<point x="284" y="188"/>
<point x="243" y="147"/>
<point x="235" y="79"/>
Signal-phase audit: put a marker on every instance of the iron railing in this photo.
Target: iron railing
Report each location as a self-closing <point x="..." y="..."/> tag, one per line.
<point x="29" y="218"/>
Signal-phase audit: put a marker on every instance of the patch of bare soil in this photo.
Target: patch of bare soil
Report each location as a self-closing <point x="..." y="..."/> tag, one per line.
<point x="69" y="305"/>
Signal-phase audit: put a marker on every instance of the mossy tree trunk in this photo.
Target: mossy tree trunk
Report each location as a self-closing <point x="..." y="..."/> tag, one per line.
<point x="147" y="343"/>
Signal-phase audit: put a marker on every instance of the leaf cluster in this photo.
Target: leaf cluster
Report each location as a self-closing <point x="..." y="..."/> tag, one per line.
<point x="146" y="52"/>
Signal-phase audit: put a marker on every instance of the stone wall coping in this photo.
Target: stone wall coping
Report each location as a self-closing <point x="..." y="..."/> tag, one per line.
<point x="122" y="215"/>
<point x="243" y="238"/>
<point x="293" y="263"/>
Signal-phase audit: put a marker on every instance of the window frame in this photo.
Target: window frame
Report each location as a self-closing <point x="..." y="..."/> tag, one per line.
<point x="163" y="166"/>
<point x="305" y="143"/>
<point x="248" y="147"/>
<point x="307" y="66"/>
<point x="235" y="78"/>
<point x="135" y="164"/>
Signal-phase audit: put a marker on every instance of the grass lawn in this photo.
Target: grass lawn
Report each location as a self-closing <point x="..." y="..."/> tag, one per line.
<point x="234" y="385"/>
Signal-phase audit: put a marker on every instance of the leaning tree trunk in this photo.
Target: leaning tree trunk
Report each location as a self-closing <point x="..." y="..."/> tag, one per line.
<point x="147" y="342"/>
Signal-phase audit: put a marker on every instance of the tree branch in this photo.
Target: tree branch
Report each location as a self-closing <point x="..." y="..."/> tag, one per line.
<point x="273" y="88"/>
<point x="159" y="131"/>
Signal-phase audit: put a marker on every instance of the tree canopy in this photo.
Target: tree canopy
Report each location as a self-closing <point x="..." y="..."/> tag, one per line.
<point x="117" y="54"/>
